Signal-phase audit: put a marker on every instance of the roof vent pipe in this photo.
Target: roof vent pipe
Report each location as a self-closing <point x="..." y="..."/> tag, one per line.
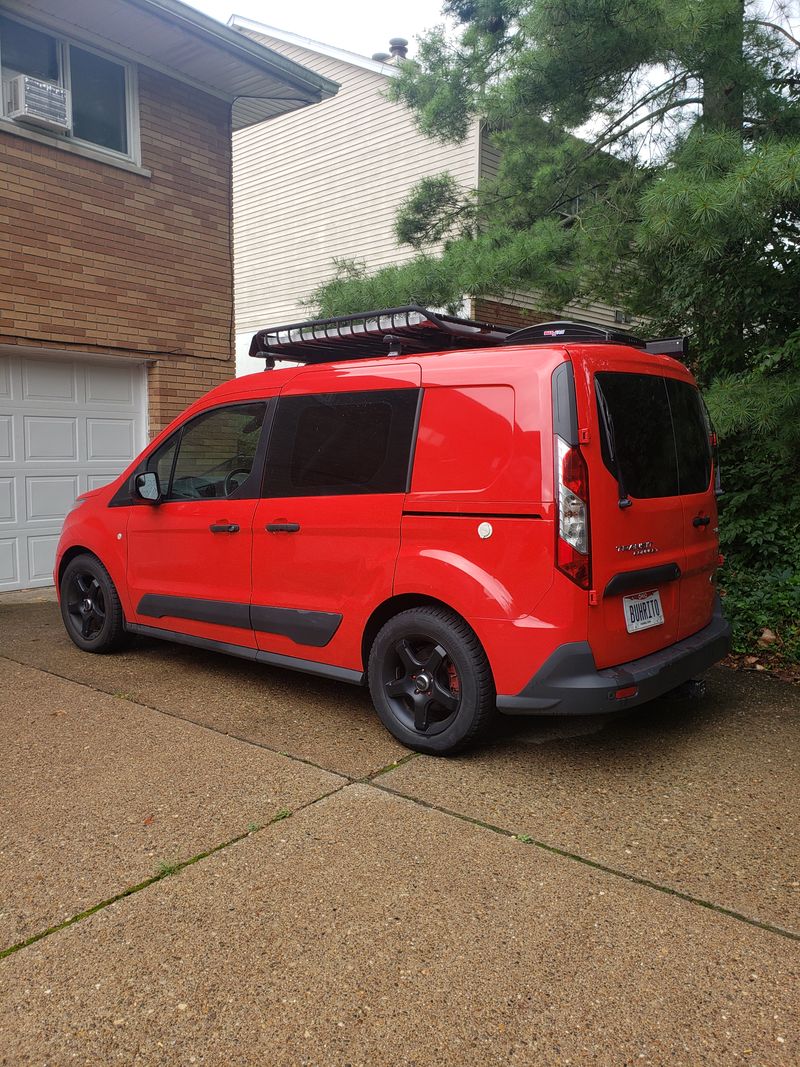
<point x="381" y="57"/>
<point x="398" y="47"/>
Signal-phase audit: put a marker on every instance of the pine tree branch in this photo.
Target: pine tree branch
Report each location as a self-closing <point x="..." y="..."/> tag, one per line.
<point x="648" y="97"/>
<point x="774" y="26"/>
<point x="604" y="140"/>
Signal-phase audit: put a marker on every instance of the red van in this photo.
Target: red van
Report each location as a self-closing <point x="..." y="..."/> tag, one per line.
<point x="466" y="518"/>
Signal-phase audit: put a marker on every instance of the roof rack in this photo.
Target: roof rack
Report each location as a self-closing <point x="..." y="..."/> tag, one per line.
<point x="415" y="329"/>
<point x="564" y="332"/>
<point x="392" y="332"/>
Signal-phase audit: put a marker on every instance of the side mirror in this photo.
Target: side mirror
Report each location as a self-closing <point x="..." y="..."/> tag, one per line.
<point x="147" y="487"/>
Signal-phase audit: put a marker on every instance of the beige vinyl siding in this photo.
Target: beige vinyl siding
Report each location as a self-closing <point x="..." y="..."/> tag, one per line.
<point x="489" y="156"/>
<point x="326" y="182"/>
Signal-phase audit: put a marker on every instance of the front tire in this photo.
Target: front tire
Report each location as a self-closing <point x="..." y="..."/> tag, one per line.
<point x="90" y="606"/>
<point x="430" y="681"/>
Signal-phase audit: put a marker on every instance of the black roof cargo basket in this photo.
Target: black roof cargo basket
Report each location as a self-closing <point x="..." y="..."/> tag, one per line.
<point x="563" y="332"/>
<point x="414" y="329"/>
<point x="394" y="331"/>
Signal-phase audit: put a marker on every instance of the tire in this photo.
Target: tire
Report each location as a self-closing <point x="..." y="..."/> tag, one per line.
<point x="457" y="706"/>
<point x="90" y="606"/>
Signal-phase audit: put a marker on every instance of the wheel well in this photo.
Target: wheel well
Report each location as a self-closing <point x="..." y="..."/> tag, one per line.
<point x="390" y="608"/>
<point x="69" y="556"/>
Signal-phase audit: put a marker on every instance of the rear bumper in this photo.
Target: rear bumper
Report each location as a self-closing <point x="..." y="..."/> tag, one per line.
<point x="568" y="683"/>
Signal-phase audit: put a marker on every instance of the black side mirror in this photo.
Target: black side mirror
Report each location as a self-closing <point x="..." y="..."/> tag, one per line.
<point x="147" y="487"/>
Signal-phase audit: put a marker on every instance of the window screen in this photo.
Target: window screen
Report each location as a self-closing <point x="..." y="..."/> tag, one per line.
<point x="99" y="112"/>
<point x="659" y="434"/>
<point x="24" y="50"/>
<point x="340" y="443"/>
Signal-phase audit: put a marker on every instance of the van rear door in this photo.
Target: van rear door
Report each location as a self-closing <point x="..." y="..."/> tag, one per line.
<point x="647" y="589"/>
<point x="699" y="501"/>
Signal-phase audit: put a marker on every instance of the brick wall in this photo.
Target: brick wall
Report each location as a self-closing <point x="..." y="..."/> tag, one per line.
<point x="508" y="315"/>
<point x="98" y="259"/>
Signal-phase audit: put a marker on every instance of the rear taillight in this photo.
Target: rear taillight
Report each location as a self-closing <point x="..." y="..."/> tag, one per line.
<point x="572" y="498"/>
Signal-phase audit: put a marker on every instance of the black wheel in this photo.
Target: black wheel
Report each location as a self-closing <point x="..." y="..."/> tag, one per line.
<point x="90" y="606"/>
<point x="430" y="681"/>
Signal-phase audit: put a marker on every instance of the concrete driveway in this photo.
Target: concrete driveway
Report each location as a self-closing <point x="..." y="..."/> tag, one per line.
<point x="207" y="861"/>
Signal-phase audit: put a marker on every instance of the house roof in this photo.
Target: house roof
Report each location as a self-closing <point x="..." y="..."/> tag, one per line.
<point x="175" y="38"/>
<point x="238" y="22"/>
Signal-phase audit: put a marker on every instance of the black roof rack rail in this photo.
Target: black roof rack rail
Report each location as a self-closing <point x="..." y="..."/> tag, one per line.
<point x="563" y="331"/>
<point x="392" y="331"/>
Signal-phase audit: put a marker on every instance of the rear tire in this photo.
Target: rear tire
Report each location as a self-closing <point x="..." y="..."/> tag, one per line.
<point x="431" y="682"/>
<point x="90" y="606"/>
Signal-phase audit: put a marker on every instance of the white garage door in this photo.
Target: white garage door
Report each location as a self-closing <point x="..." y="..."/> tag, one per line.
<point x="65" y="426"/>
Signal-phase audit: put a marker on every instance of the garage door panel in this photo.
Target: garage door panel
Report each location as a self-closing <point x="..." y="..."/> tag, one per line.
<point x="48" y="499"/>
<point x="65" y="427"/>
<point x="6" y="437"/>
<point x="41" y="557"/>
<point x="8" y="510"/>
<point x="97" y="481"/>
<point x="49" y="380"/>
<point x="110" y="439"/>
<point x="50" y="437"/>
<point x="106" y="385"/>
<point x="9" y="568"/>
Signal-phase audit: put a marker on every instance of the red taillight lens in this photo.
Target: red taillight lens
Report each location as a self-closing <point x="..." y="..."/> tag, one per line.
<point x="572" y="499"/>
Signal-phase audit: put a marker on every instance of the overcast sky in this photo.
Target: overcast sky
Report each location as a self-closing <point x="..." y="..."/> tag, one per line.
<point x="362" y="26"/>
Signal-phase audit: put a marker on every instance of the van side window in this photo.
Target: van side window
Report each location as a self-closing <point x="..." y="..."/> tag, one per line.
<point x="216" y="453"/>
<point x="162" y="459"/>
<point x="339" y="443"/>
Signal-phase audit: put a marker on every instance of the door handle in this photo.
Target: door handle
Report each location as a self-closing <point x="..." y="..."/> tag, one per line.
<point x="224" y="527"/>
<point x="282" y="527"/>
<point x="701" y="520"/>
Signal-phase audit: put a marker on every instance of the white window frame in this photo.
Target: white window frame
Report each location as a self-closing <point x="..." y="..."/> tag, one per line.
<point x="63" y="43"/>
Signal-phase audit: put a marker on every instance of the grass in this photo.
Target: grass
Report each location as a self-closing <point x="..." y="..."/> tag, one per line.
<point x="164" y="868"/>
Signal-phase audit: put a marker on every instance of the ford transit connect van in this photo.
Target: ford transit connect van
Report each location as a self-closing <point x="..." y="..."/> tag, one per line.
<point x="463" y="517"/>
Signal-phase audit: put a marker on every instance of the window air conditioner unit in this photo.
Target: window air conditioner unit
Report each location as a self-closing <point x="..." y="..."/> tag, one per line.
<point x="39" y="103"/>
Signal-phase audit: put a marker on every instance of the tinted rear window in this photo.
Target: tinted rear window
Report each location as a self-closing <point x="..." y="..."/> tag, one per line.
<point x="340" y="443"/>
<point x="659" y="431"/>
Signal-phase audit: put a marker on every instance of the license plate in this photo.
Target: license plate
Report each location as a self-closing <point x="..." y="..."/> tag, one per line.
<point x="643" y="611"/>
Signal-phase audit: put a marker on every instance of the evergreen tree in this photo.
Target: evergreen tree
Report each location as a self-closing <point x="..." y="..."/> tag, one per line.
<point x="650" y="159"/>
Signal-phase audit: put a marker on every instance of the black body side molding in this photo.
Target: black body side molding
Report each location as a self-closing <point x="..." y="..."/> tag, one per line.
<point x="314" y="628"/>
<point x="306" y="666"/>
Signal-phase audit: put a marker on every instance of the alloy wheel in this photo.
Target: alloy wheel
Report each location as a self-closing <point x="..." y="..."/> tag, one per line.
<point x="421" y="684"/>
<point x="86" y="605"/>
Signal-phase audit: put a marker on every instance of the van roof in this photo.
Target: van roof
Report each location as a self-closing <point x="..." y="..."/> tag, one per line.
<point x="414" y="329"/>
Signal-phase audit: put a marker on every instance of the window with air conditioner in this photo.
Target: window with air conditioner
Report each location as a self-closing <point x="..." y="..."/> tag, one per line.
<point x="66" y="89"/>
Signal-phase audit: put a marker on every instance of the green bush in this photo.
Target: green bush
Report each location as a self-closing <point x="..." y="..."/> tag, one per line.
<point x="760" y="538"/>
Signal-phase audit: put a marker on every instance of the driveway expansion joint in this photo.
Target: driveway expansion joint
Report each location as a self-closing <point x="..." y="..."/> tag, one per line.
<point x="166" y="870"/>
<point x="371" y="781"/>
<point x="527" y="840"/>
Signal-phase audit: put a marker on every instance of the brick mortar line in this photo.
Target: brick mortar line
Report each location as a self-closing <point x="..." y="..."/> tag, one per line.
<point x="370" y="780"/>
<point x="594" y="864"/>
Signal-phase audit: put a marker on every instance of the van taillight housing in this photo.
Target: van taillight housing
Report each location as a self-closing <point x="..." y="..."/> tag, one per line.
<point x="573" y="557"/>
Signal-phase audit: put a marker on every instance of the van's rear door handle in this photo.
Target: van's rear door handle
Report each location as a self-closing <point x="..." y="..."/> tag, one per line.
<point x="224" y="527"/>
<point x="282" y="527"/>
<point x="701" y="520"/>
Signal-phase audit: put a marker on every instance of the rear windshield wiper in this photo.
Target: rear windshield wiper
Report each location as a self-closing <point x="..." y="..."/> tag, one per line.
<point x="608" y="426"/>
